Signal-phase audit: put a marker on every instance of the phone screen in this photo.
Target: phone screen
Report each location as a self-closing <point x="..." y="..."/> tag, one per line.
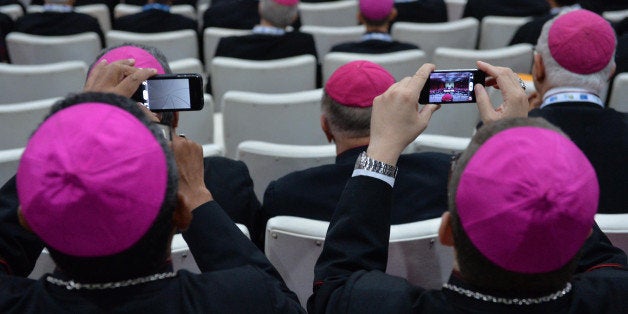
<point x="177" y="92"/>
<point x="451" y="86"/>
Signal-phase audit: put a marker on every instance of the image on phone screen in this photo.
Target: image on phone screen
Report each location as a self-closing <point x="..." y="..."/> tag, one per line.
<point x="451" y="87"/>
<point x="168" y="94"/>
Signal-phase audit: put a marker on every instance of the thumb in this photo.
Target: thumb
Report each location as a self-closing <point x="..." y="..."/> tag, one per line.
<point x="426" y="113"/>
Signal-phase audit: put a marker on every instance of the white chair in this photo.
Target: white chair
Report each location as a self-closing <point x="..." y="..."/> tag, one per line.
<point x="123" y="9"/>
<point x="175" y="45"/>
<point x="326" y="37"/>
<point x="497" y="31"/>
<point x="269" y="161"/>
<point x="273" y="76"/>
<point x="20" y="83"/>
<point x="335" y="13"/>
<point x="517" y="57"/>
<point x="198" y="125"/>
<point x="615" y="16"/>
<point x="211" y="37"/>
<point x="619" y="94"/>
<point x="213" y="150"/>
<point x="400" y="64"/>
<point x="615" y="226"/>
<point x="429" y="36"/>
<point x="180" y="255"/>
<point x="14" y="11"/>
<point x="9" y="160"/>
<point x="200" y="10"/>
<point x="98" y="10"/>
<point x="293" y="245"/>
<point x="455" y="9"/>
<point x="438" y="143"/>
<point x="287" y="118"/>
<point x="18" y="121"/>
<point x="189" y="65"/>
<point x="35" y="49"/>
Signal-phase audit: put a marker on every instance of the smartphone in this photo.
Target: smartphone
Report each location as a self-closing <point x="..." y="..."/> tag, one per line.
<point x="451" y="86"/>
<point x="171" y="92"/>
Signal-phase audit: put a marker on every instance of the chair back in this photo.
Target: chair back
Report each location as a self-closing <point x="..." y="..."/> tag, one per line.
<point x="286" y="118"/>
<point x="293" y="244"/>
<point x="334" y="13"/>
<point x="175" y="45"/>
<point x="14" y="11"/>
<point x="9" y="160"/>
<point x="619" y="94"/>
<point x="122" y="9"/>
<point x="269" y="161"/>
<point x="19" y="121"/>
<point x="325" y="37"/>
<point x="615" y="226"/>
<point x="198" y="125"/>
<point x="36" y="49"/>
<point x="211" y="38"/>
<point x="98" y="10"/>
<point x="438" y="143"/>
<point x="400" y="64"/>
<point x="20" y="83"/>
<point x="189" y="65"/>
<point x="615" y="16"/>
<point x="429" y="36"/>
<point x="517" y="57"/>
<point x="455" y="9"/>
<point x="497" y="31"/>
<point x="284" y="75"/>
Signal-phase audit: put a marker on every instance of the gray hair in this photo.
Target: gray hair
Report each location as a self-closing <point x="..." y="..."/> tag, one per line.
<point x="350" y="122"/>
<point x="278" y="15"/>
<point x="559" y="76"/>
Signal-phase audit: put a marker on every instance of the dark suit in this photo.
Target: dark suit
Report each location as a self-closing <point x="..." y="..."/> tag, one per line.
<point x="239" y="14"/>
<point x="481" y="8"/>
<point x="530" y="32"/>
<point x="349" y="275"/>
<point x="266" y="47"/>
<point x="422" y="11"/>
<point x="154" y="21"/>
<point x="58" y="24"/>
<point x="602" y="134"/>
<point x="600" y="6"/>
<point x="420" y="191"/>
<point x="373" y="46"/>
<point x="6" y="26"/>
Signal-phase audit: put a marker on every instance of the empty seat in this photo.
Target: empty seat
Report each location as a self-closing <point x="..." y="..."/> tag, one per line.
<point x="18" y="121"/>
<point x="20" y="83"/>
<point x="36" y="49"/>
<point x="175" y="45"/>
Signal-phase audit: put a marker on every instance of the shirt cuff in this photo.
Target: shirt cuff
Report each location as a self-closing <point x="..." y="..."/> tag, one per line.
<point x="373" y="174"/>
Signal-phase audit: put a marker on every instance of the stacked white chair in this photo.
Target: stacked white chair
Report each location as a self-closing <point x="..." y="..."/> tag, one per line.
<point x="334" y="13"/>
<point x="269" y="161"/>
<point x="175" y="45"/>
<point x="286" y="118"/>
<point x="20" y="83"/>
<point x="429" y="36"/>
<point x="497" y="31"/>
<point x="293" y="244"/>
<point x="35" y="49"/>
<point x="517" y="57"/>
<point x="325" y="37"/>
<point x="400" y="63"/>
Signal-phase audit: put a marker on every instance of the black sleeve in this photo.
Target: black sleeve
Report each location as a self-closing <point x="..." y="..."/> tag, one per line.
<point x="598" y="251"/>
<point x="19" y="248"/>
<point x="217" y="243"/>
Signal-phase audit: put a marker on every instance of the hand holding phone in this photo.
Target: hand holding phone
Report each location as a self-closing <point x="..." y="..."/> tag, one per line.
<point x="171" y="92"/>
<point x="451" y="86"/>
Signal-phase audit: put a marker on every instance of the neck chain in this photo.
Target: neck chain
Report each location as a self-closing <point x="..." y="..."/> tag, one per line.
<point x="72" y="285"/>
<point x="509" y="301"/>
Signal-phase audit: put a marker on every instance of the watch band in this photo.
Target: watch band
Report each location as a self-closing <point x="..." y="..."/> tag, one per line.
<point x="369" y="164"/>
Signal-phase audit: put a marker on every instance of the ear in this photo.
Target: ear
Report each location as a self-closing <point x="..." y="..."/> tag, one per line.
<point x="326" y="128"/>
<point x="360" y="18"/>
<point x="393" y="15"/>
<point x="445" y="235"/>
<point x="21" y="219"/>
<point x="181" y="218"/>
<point x="538" y="68"/>
<point x="612" y="71"/>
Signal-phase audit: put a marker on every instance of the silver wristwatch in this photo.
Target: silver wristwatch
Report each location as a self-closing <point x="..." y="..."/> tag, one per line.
<point x="367" y="163"/>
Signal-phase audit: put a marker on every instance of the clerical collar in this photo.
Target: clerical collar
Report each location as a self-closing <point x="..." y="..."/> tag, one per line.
<point x="156" y="6"/>
<point x="556" y="11"/>
<point x="268" y="30"/>
<point x="570" y="94"/>
<point x="377" y="36"/>
<point x="63" y="8"/>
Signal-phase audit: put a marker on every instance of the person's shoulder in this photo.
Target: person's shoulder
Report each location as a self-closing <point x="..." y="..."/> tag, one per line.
<point x="422" y="157"/>
<point x="302" y="177"/>
<point x="221" y="163"/>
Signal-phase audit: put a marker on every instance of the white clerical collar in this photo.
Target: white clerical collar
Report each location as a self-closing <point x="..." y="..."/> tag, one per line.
<point x="268" y="30"/>
<point x="567" y="8"/>
<point x="570" y="94"/>
<point x="57" y="8"/>
<point x="377" y="36"/>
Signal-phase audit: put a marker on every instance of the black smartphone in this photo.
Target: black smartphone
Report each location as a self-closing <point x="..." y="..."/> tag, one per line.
<point x="171" y="92"/>
<point x="451" y="86"/>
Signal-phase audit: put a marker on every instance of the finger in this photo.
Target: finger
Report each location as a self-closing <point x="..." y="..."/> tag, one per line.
<point x="483" y="102"/>
<point x="491" y="81"/>
<point x="129" y="85"/>
<point x="421" y="76"/>
<point x="128" y="62"/>
<point x="426" y="113"/>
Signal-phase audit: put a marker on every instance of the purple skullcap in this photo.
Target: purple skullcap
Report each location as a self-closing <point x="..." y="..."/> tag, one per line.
<point x="143" y="59"/>
<point x="92" y="180"/>
<point x="376" y="10"/>
<point x="527" y="199"/>
<point x="581" y="41"/>
<point x="287" y="3"/>
<point x="357" y="83"/>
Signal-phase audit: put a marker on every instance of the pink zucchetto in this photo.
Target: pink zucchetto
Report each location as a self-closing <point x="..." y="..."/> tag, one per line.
<point x="288" y="3"/>
<point x="376" y="10"/>
<point x="527" y="199"/>
<point x="143" y="59"/>
<point x="92" y="180"/>
<point x="357" y="83"/>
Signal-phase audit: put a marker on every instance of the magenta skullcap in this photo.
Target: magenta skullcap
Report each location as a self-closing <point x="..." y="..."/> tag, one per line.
<point x="287" y="3"/>
<point x="581" y="41"/>
<point x="143" y="59"/>
<point x="357" y="83"/>
<point x="376" y="10"/>
<point x="92" y="180"/>
<point x="527" y="199"/>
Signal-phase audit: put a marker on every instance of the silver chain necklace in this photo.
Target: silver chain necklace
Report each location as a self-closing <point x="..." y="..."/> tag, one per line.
<point x="516" y="301"/>
<point x="72" y="285"/>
